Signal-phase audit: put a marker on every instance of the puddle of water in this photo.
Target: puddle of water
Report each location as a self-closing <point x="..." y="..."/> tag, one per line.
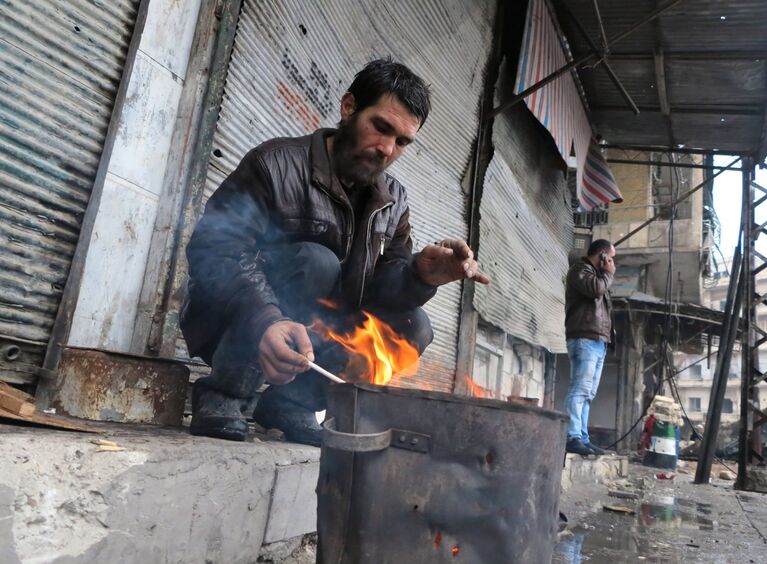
<point x="619" y="538"/>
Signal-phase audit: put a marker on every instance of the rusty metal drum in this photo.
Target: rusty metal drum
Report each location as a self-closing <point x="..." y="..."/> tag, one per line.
<point x="109" y="386"/>
<point x="428" y="477"/>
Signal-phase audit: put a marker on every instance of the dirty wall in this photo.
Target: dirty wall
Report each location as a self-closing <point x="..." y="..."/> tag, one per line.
<point x="526" y="230"/>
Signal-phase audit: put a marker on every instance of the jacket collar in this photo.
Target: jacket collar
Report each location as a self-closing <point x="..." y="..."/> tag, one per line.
<point x="588" y="262"/>
<point x="380" y="195"/>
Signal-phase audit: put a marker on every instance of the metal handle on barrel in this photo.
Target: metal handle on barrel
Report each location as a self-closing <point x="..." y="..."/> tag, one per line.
<point x="373" y="442"/>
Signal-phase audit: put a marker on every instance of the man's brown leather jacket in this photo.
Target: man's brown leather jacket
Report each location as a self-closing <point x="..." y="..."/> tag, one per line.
<point x="588" y="309"/>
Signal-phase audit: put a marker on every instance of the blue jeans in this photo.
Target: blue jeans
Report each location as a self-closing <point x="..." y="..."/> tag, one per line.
<point x="586" y="359"/>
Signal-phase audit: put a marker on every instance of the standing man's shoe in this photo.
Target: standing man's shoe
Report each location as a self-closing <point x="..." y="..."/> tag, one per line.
<point x="596" y="450"/>
<point x="217" y="415"/>
<point x="576" y="446"/>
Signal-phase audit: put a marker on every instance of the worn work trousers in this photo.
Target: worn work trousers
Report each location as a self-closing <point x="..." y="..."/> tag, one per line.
<point x="587" y="357"/>
<point x="301" y="275"/>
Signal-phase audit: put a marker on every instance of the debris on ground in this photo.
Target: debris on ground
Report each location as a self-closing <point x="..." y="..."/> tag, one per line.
<point x="105" y="445"/>
<point x="665" y="476"/>
<point x="627" y="488"/>
<point x="666" y="410"/>
<point x="727" y="475"/>
<point x="619" y="509"/>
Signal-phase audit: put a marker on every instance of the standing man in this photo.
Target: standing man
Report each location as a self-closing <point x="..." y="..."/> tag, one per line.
<point x="310" y="228"/>
<point x="588" y="328"/>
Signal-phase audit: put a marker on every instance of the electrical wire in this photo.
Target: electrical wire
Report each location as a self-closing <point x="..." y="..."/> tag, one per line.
<point x="669" y="307"/>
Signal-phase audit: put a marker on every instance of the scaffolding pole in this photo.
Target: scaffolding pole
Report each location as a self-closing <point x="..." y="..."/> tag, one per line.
<point x="752" y="417"/>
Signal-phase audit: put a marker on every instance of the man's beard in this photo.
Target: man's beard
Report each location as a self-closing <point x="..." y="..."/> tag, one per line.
<point x="352" y="165"/>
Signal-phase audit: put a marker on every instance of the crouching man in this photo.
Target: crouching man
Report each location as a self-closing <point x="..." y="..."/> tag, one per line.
<point x="310" y="228"/>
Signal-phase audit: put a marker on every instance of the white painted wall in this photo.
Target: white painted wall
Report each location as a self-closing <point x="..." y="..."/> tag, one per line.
<point x="119" y="246"/>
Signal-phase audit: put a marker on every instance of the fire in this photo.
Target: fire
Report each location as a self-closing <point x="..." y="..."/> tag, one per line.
<point x="477" y="391"/>
<point x="378" y="352"/>
<point x="456" y="550"/>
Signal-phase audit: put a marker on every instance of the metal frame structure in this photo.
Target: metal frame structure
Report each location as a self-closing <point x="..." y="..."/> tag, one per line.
<point x="752" y="417"/>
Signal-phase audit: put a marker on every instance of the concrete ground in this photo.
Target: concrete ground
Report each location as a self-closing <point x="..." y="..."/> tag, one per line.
<point x="159" y="496"/>
<point x="657" y="520"/>
<point x="166" y="497"/>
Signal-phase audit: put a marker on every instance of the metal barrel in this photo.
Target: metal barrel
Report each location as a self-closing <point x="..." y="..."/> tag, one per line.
<point x="428" y="477"/>
<point x="663" y="450"/>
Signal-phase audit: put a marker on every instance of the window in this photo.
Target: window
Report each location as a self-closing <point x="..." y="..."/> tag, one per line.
<point x="696" y="371"/>
<point x="667" y="184"/>
<point x="727" y="406"/>
<point x="587" y="219"/>
<point x="694" y="405"/>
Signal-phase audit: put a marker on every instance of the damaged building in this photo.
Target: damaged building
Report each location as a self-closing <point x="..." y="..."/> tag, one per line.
<point x="119" y="119"/>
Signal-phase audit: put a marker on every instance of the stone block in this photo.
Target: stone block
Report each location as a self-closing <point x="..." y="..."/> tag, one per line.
<point x="293" y="510"/>
<point x="168" y="497"/>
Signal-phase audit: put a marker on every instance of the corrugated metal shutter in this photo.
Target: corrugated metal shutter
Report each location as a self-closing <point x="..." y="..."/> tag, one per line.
<point x="526" y="231"/>
<point x="60" y="66"/>
<point x="292" y="62"/>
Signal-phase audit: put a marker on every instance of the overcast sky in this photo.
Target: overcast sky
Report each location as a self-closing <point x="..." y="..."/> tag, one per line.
<point x="728" y="188"/>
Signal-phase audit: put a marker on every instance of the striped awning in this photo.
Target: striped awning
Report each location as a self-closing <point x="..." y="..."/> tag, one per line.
<point x="559" y="108"/>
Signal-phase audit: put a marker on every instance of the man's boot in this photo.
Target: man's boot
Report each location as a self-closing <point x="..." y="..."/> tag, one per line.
<point x="217" y="415"/>
<point x="291" y="408"/>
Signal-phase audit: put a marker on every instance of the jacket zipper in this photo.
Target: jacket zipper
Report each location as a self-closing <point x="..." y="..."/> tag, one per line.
<point x="367" y="249"/>
<point x="349" y="212"/>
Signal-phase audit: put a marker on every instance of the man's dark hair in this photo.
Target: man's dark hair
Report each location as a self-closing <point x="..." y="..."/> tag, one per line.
<point x="384" y="76"/>
<point x="598" y="246"/>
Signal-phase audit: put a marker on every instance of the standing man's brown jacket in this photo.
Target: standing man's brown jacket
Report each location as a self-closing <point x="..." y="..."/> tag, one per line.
<point x="588" y="309"/>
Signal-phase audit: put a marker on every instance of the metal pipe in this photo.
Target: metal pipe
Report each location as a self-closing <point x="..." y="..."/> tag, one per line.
<point x="616" y="81"/>
<point x="719" y="384"/>
<point x="660" y="149"/>
<point x="746" y="223"/>
<point x="665" y="163"/>
<point x="694" y="55"/>
<point x="675" y="202"/>
<point x="579" y="61"/>
<point x="602" y="32"/>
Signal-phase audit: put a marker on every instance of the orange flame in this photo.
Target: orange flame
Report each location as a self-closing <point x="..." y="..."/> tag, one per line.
<point x="456" y="550"/>
<point x="379" y="354"/>
<point x="477" y="391"/>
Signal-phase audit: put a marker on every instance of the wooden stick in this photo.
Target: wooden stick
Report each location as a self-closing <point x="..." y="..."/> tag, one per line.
<point x="16" y="401"/>
<point x="326" y="374"/>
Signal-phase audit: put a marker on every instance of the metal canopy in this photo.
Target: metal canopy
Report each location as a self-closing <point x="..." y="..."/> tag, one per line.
<point x="698" y="73"/>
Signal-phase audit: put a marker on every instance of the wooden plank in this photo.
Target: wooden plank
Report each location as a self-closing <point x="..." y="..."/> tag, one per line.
<point x="55" y="421"/>
<point x="19" y="406"/>
<point x="16" y="401"/>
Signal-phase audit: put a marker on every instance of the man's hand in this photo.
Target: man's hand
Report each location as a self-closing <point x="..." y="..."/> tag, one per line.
<point x="448" y="261"/>
<point x="284" y="351"/>
<point x="608" y="265"/>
